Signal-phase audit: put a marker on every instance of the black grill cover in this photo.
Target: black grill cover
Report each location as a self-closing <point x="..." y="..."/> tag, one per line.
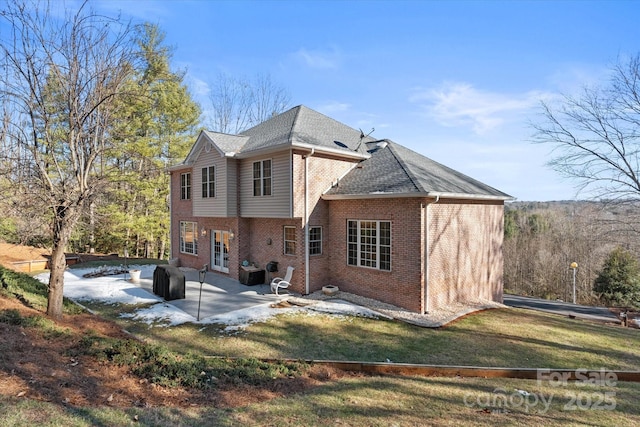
<point x="168" y="282"/>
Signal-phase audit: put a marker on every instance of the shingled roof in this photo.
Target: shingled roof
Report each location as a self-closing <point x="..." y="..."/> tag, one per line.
<point x="303" y="127"/>
<point x="394" y="170"/>
<point x="386" y="169"/>
<point x="299" y="127"/>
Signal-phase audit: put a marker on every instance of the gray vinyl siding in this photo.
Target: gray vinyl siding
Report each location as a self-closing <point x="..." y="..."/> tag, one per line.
<point x="278" y="204"/>
<point x="232" y="187"/>
<point x="217" y="206"/>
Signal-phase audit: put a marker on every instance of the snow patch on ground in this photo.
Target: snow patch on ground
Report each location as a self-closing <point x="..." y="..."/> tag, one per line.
<point x="240" y="319"/>
<point x="345" y="308"/>
<point x="116" y="289"/>
<point x="107" y="289"/>
<point x="162" y="314"/>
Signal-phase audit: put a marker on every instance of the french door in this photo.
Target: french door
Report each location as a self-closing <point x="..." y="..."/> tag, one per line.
<point x="220" y="250"/>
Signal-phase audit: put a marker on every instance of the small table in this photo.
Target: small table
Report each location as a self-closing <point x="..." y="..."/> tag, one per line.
<point x="251" y="275"/>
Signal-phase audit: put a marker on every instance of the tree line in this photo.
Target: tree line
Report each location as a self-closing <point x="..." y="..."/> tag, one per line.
<point x="92" y="117"/>
<point x="543" y="239"/>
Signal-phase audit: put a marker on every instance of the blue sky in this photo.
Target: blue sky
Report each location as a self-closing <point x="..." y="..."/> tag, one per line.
<point x="457" y="81"/>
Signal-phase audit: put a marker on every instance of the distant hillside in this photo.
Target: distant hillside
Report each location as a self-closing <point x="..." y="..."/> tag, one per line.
<point x="616" y="208"/>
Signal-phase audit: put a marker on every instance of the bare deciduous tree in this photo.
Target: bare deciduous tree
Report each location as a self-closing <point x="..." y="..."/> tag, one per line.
<point x="59" y="78"/>
<point x="596" y="135"/>
<point x="542" y="239"/>
<point x="239" y="103"/>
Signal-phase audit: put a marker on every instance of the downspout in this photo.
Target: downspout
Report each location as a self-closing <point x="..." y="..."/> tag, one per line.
<point x="425" y="289"/>
<point x="306" y="220"/>
<point x="170" y="217"/>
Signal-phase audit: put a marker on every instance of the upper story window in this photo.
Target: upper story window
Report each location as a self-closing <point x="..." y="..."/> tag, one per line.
<point x="369" y="244"/>
<point x="189" y="237"/>
<point x="262" y="178"/>
<point x="315" y="240"/>
<point x="289" y="240"/>
<point x="208" y="182"/>
<point x="185" y="186"/>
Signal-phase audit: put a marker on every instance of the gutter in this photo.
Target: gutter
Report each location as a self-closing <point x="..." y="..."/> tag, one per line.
<point x="425" y="288"/>
<point x="416" y="194"/>
<point x="303" y="146"/>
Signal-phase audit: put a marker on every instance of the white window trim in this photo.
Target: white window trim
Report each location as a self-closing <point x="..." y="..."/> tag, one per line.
<point x="183" y="242"/>
<point x="285" y="241"/>
<point x="377" y="246"/>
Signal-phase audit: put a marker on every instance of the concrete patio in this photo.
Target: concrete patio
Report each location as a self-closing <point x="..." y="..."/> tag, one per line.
<point x="220" y="294"/>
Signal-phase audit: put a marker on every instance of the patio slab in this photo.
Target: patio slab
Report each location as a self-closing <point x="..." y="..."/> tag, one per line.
<point x="220" y="294"/>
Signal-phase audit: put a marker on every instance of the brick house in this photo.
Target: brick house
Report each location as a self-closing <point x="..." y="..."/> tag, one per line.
<point x="369" y="216"/>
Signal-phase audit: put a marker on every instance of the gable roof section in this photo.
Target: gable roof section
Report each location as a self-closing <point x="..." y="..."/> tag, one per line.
<point x="396" y="171"/>
<point x="227" y="145"/>
<point x="302" y="127"/>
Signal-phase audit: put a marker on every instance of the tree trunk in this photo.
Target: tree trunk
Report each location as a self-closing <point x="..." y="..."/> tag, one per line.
<point x="56" y="282"/>
<point x="92" y="228"/>
<point x="161" y="249"/>
<point x="63" y="224"/>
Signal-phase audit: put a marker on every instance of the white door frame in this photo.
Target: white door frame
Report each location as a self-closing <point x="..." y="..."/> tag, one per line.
<point x="220" y="250"/>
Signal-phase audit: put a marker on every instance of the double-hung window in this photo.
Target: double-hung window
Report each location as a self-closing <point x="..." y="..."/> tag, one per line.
<point x="208" y="182"/>
<point x="289" y="240"/>
<point x="189" y="237"/>
<point x="369" y="244"/>
<point x="262" y="178"/>
<point x="185" y="186"/>
<point x="315" y="240"/>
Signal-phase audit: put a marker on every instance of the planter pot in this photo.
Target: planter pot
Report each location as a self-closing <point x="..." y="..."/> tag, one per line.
<point x="134" y="275"/>
<point x="330" y="290"/>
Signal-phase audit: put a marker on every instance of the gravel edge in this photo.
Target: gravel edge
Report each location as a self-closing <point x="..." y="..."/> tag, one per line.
<point x="434" y="319"/>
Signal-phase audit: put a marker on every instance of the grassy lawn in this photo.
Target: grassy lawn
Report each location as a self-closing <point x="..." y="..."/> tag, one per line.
<point x="500" y="338"/>
<point x="504" y="338"/>
<point x="387" y="401"/>
<point x="373" y="401"/>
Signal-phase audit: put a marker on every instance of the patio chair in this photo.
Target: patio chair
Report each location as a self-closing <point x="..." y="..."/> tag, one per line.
<point x="280" y="283"/>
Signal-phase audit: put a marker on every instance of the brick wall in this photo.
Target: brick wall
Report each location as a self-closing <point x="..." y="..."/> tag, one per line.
<point x="466" y="260"/>
<point x="181" y="210"/>
<point x="465" y="247"/>
<point x="402" y="285"/>
<point x="322" y="172"/>
<point x="265" y="242"/>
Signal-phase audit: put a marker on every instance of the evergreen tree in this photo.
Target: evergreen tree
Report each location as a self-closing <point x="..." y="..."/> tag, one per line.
<point x="619" y="281"/>
<point x="156" y="130"/>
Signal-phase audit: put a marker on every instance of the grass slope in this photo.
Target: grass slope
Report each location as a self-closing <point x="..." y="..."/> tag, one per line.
<point x="172" y="368"/>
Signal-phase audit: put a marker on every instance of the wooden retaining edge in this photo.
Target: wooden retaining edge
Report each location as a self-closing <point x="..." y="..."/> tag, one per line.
<point x="41" y="264"/>
<point x="542" y="374"/>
